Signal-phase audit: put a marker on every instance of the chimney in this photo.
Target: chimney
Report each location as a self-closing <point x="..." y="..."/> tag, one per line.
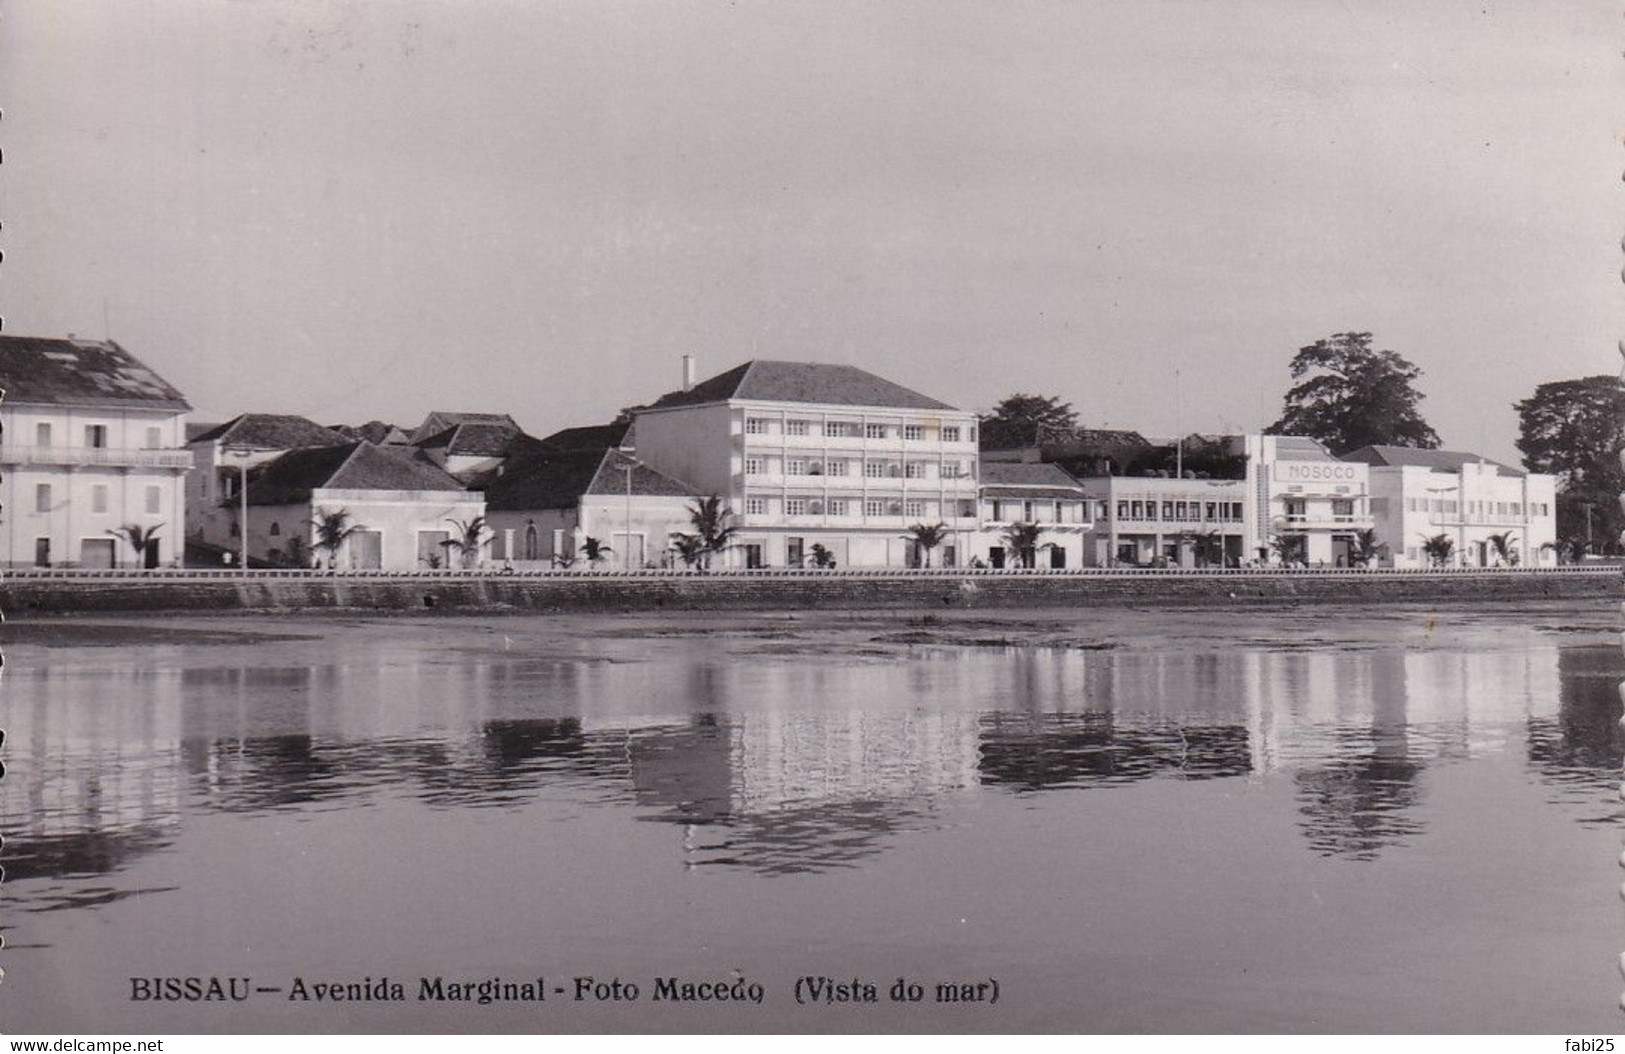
<point x="688" y="373"/>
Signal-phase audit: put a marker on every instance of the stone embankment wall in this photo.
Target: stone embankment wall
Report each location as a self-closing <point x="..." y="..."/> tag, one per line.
<point x="21" y="596"/>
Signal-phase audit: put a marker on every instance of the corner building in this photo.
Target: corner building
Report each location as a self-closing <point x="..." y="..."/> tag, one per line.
<point x="809" y="454"/>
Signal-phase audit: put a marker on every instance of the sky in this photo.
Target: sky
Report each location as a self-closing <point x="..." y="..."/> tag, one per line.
<point x="357" y="210"/>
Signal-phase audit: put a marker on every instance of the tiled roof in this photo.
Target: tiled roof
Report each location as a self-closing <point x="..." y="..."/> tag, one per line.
<point x="1032" y="492"/>
<point x="271" y="432"/>
<point x="1026" y="474"/>
<point x="588" y="437"/>
<point x="801" y="382"/>
<point x="290" y="479"/>
<point x="440" y="420"/>
<point x="1437" y="460"/>
<point x="559" y="479"/>
<point x="380" y="432"/>
<point x="475" y="439"/>
<point x="1300" y="448"/>
<point x="41" y="371"/>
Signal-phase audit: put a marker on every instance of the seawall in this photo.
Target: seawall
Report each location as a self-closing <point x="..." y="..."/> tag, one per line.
<point x="180" y="592"/>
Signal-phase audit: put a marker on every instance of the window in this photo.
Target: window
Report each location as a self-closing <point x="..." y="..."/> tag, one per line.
<point x="1167" y="510"/>
<point x="913" y="431"/>
<point x="914" y="508"/>
<point x="98" y="497"/>
<point x="874" y="469"/>
<point x="874" y="431"/>
<point x="795" y="506"/>
<point x="874" y="507"/>
<point x="1122" y="510"/>
<point x="42" y="497"/>
<point x="753" y="466"/>
<point x="533" y="546"/>
<point x="840" y="429"/>
<point x="795" y="466"/>
<point x="96" y="436"/>
<point x="1341" y="507"/>
<point x="276" y="528"/>
<point x="155" y="438"/>
<point x="950" y="433"/>
<point x="155" y="498"/>
<point x="914" y="470"/>
<point x="967" y="508"/>
<point x="836" y="468"/>
<point x="755" y="506"/>
<point x="1027" y="512"/>
<point x="756" y="426"/>
<point x="837" y="506"/>
<point x="42" y="552"/>
<point x="42" y="434"/>
<point x="1181" y="510"/>
<point x="795" y="428"/>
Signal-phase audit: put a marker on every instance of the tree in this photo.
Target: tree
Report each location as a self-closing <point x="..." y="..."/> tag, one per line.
<point x="821" y="556"/>
<point x="295" y="553"/>
<point x="1289" y="549"/>
<point x="1502" y="544"/>
<point x="1207" y="547"/>
<point x="468" y="541"/>
<point x="927" y="537"/>
<point x="594" y="550"/>
<point x="1022" y="419"/>
<point x="712" y="525"/>
<point x="138" y="537"/>
<point x="333" y="529"/>
<point x="1438" y="548"/>
<point x="1575" y="430"/>
<point x="1366" y="548"/>
<point x="690" y="547"/>
<point x="1349" y="396"/>
<point x="1023" y="538"/>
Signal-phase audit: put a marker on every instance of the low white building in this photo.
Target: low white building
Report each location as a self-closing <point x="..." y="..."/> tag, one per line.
<point x="403" y="507"/>
<point x="1040" y="495"/>
<point x="1303" y="496"/>
<point x="544" y="506"/>
<point x="227" y="455"/>
<point x="1146" y="521"/>
<point x="93" y="445"/>
<point x="814" y="454"/>
<point x="1420" y="494"/>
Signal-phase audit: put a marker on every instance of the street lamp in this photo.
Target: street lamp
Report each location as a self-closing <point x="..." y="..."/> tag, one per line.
<point x="242" y="509"/>
<point x="629" y="463"/>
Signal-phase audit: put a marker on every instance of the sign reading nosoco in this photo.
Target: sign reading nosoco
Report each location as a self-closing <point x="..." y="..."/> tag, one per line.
<point x="1318" y="472"/>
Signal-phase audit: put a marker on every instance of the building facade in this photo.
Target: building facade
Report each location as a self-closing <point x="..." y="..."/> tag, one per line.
<point x="1307" y="507"/>
<point x="404" y="510"/>
<point x="1040" y="498"/>
<point x="1152" y="521"/>
<point x="229" y="456"/>
<point x="1480" y="506"/>
<point x="812" y="454"/>
<point x="92" y="455"/>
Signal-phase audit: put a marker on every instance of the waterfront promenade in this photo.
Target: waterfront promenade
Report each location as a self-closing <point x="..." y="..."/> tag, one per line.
<point x="65" y="591"/>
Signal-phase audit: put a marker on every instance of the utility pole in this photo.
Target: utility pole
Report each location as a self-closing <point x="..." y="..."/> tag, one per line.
<point x="1179" y="437"/>
<point x="627" y="468"/>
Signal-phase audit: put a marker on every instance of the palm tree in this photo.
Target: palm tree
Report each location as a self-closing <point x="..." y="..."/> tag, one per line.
<point x="468" y="541"/>
<point x="1438" y="547"/>
<point x="1206" y="546"/>
<point x="563" y="561"/>
<point x="927" y="537"/>
<point x="1366" y="548"/>
<point x="821" y="556"/>
<point x="333" y="529"/>
<point x="594" y="550"/>
<point x="1289" y="548"/>
<point x="1502" y="544"/>
<point x="690" y="547"/>
<point x="1023" y="538"/>
<point x="139" y="538"/>
<point x="712" y="525"/>
<point x="295" y="553"/>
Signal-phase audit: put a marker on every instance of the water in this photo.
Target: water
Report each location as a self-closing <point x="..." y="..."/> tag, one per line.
<point x="1132" y="821"/>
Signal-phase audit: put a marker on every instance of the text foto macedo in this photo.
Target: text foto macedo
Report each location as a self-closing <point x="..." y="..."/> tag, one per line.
<point x="732" y="989"/>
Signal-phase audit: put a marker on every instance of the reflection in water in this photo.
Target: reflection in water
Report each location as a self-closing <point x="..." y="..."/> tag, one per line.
<point x="791" y="765"/>
<point x="1579" y="752"/>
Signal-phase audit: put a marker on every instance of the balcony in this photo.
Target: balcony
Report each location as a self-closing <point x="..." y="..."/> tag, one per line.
<point x="93" y="457"/>
<point x="1329" y="522"/>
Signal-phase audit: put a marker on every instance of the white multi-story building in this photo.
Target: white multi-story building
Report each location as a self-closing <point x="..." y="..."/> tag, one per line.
<point x="1038" y="496"/>
<point x="1419" y="494"/>
<point x="812" y="454"/>
<point x="93" y="445"/>
<point x="1305" y="497"/>
<point x="1143" y="521"/>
